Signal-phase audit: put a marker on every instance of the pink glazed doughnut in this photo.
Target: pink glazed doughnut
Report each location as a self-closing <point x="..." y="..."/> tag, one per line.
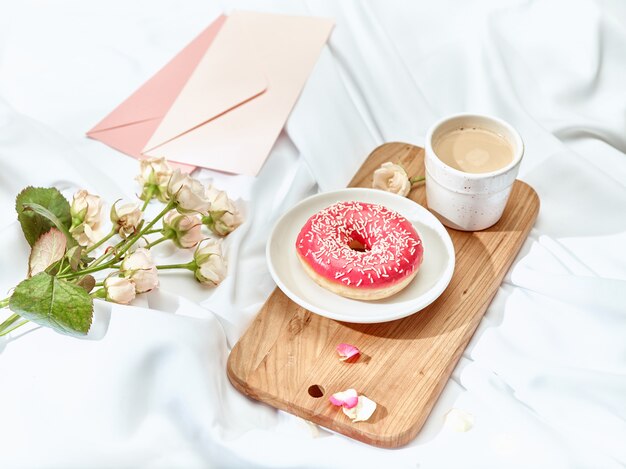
<point x="359" y="250"/>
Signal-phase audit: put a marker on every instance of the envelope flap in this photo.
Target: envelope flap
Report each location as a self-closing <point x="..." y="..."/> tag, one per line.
<point x="225" y="78"/>
<point x="156" y="96"/>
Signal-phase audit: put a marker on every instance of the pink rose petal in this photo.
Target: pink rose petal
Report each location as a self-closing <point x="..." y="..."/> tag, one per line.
<point x="362" y="411"/>
<point x="346" y="399"/>
<point x="351" y="402"/>
<point x="347" y="351"/>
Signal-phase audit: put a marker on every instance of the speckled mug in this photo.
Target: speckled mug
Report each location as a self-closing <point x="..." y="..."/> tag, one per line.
<point x="470" y="201"/>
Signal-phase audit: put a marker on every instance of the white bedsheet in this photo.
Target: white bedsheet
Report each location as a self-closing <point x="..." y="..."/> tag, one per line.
<point x="544" y="375"/>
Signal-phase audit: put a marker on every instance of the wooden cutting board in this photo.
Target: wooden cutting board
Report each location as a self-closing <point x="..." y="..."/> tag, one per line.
<point x="287" y="357"/>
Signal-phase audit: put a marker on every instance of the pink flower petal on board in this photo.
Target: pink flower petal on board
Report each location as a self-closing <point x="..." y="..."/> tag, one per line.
<point x="347" y="351"/>
<point x="346" y="399"/>
<point x="362" y="411"/>
<point x="351" y="402"/>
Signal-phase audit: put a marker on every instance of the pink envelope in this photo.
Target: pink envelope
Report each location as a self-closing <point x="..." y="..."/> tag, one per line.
<point x="129" y="126"/>
<point x="224" y="107"/>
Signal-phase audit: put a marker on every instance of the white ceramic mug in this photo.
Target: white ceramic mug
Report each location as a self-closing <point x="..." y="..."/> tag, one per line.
<point x="470" y="201"/>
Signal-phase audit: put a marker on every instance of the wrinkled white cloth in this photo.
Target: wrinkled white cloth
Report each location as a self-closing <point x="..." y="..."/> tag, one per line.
<point x="543" y="379"/>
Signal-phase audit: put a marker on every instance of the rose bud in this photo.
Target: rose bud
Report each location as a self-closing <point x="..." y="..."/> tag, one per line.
<point x="153" y="178"/>
<point x="126" y="218"/>
<point x="86" y="212"/>
<point x="223" y="216"/>
<point x="210" y="265"/>
<point x="119" y="290"/>
<point x="140" y="268"/>
<point x="189" y="193"/>
<point x="184" y="230"/>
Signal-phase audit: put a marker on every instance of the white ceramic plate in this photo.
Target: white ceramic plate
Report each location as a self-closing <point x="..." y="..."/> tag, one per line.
<point x="431" y="280"/>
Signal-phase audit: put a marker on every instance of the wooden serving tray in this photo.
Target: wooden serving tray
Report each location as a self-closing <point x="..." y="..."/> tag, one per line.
<point x="287" y="356"/>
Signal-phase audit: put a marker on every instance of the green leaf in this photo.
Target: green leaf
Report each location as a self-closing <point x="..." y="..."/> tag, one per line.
<point x="48" y="215"/>
<point x="48" y="249"/>
<point x="74" y="255"/>
<point x="33" y="223"/>
<point x="52" y="302"/>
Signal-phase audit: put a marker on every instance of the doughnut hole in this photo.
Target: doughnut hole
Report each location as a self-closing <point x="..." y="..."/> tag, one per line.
<point x="357" y="242"/>
<point x="357" y="245"/>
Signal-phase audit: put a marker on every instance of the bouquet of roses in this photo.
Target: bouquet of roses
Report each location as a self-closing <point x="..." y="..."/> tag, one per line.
<point x="74" y="259"/>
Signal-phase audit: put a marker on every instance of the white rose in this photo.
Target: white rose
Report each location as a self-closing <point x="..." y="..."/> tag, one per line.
<point x="86" y="212"/>
<point x="86" y="208"/>
<point x="184" y="230"/>
<point x="85" y="235"/>
<point x="391" y="177"/>
<point x="210" y="265"/>
<point x="119" y="290"/>
<point x="154" y="177"/>
<point x="189" y="193"/>
<point x="223" y="216"/>
<point x="140" y="268"/>
<point x="126" y="218"/>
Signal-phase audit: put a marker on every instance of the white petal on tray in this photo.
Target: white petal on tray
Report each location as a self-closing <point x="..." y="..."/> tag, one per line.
<point x="459" y="421"/>
<point x="362" y="411"/>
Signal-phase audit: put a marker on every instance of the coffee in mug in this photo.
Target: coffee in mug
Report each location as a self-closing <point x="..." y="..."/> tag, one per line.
<point x="473" y="150"/>
<point x="471" y="163"/>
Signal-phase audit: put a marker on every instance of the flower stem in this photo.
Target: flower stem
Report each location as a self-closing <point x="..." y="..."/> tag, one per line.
<point x="9" y="324"/>
<point x="416" y="179"/>
<point x="146" y="228"/>
<point x="61" y="264"/>
<point x="4" y="303"/>
<point x="125" y="246"/>
<point x="166" y="209"/>
<point x="148" y="198"/>
<point x="189" y="266"/>
<point x="7" y="331"/>
<point x="156" y="230"/>
<point x="102" y="241"/>
<point x="154" y="243"/>
<point x="100" y="259"/>
<point x="19" y="324"/>
<point x="107" y="253"/>
<point x="97" y="268"/>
